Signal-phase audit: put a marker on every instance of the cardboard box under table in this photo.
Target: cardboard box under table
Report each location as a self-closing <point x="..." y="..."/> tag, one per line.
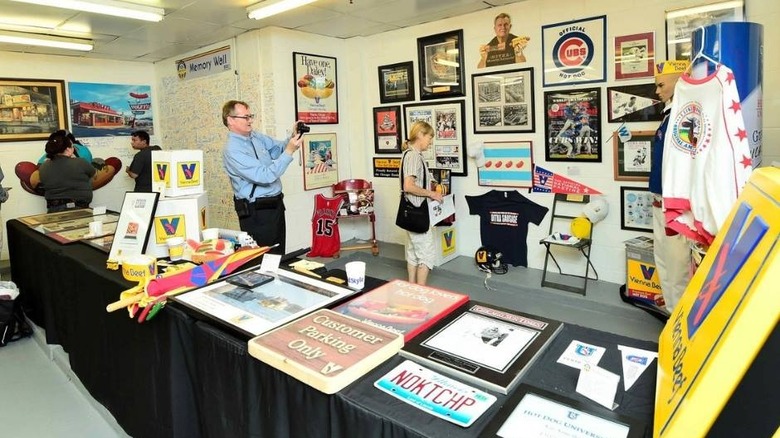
<point x="184" y="216"/>
<point x="177" y="172"/>
<point x="642" y="282"/>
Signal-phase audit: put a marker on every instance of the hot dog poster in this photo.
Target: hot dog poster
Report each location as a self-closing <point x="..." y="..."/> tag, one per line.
<point x="316" y="95"/>
<point x="109" y="110"/>
<point x="507" y="164"/>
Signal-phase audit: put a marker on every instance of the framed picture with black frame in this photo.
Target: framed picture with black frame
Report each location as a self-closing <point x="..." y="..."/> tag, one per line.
<point x="32" y="108"/>
<point x="636" y="209"/>
<point x="448" y="150"/>
<point x="572" y="123"/>
<point x="503" y="101"/>
<point x="680" y="24"/>
<point x="396" y="82"/>
<point x="632" y="158"/>
<point x="440" y="64"/>
<point x="134" y="226"/>
<point x="388" y="133"/>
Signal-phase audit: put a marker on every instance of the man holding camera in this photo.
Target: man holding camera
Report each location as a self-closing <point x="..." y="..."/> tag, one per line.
<point x="255" y="164"/>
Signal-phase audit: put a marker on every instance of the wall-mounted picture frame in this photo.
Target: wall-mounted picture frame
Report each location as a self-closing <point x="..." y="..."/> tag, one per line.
<point x="574" y="52"/>
<point x="503" y="101"/>
<point x="507" y="164"/>
<point x="134" y="226"/>
<point x="396" y="82"/>
<point x="110" y="110"/>
<point x="316" y="89"/>
<point x="634" y="55"/>
<point x="632" y="158"/>
<point x="440" y="64"/>
<point x="388" y="130"/>
<point x="319" y="160"/>
<point x="634" y="103"/>
<point x="31" y="109"/>
<point x="572" y="124"/>
<point x="636" y="209"/>
<point x="448" y="150"/>
<point x="680" y="24"/>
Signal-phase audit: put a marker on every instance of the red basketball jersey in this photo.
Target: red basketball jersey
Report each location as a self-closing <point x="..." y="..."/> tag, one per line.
<point x="325" y="236"/>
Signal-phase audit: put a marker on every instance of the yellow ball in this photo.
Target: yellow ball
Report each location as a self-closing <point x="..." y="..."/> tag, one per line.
<point x="580" y="228"/>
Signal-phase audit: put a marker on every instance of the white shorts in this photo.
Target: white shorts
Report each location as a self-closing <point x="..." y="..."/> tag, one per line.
<point x="419" y="249"/>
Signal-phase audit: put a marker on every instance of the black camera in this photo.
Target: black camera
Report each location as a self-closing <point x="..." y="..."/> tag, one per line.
<point x="302" y="128"/>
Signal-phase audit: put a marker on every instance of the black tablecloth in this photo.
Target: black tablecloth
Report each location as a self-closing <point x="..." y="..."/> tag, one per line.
<point x="178" y="376"/>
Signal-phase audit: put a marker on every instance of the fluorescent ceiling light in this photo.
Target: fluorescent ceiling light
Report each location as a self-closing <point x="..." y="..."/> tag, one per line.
<point x="32" y="39"/>
<point x="106" y="7"/>
<point x="267" y="8"/>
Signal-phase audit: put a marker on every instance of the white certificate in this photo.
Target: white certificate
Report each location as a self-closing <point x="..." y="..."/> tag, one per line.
<point x="438" y="211"/>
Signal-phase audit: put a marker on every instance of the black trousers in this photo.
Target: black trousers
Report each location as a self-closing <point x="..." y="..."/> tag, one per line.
<point x="267" y="226"/>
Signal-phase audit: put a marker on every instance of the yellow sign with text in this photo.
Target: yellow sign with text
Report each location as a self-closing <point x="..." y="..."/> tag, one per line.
<point x="188" y="173"/>
<point x="725" y="316"/>
<point x="161" y="172"/>
<point x="166" y="227"/>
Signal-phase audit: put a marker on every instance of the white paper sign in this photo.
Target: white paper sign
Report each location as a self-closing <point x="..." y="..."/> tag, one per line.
<point x="635" y="362"/>
<point x="598" y="385"/>
<point x="270" y="263"/>
<point x="579" y="353"/>
<point x="437" y="211"/>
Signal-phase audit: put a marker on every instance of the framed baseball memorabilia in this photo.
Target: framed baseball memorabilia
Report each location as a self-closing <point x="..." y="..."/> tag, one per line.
<point x="387" y="130"/>
<point x="632" y="158"/>
<point x="572" y="123"/>
<point x="396" y="82"/>
<point x="634" y="55"/>
<point x="316" y="89"/>
<point x="440" y="62"/>
<point x="504" y="101"/>
<point x="636" y="209"/>
<point x="319" y="158"/>
<point x="680" y="24"/>
<point x="507" y="164"/>
<point x="634" y="103"/>
<point x="448" y="150"/>
<point x="575" y="52"/>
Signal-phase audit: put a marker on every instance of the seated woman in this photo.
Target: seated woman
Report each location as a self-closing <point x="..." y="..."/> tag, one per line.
<point x="66" y="180"/>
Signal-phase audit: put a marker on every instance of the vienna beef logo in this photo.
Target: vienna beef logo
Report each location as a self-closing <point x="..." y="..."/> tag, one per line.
<point x="188" y="173"/>
<point x="160" y="173"/>
<point x="573" y="52"/>
<point x="166" y="227"/>
<point x="647" y="272"/>
<point x="448" y="242"/>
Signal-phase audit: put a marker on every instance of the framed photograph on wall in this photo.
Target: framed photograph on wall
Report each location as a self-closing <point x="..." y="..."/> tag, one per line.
<point x="103" y="110"/>
<point x="396" y="82"/>
<point x="634" y="103"/>
<point x="572" y="124"/>
<point x="31" y="109"/>
<point x="636" y="209"/>
<point x="319" y="159"/>
<point x="440" y="64"/>
<point x="448" y="150"/>
<point x="316" y="89"/>
<point x="680" y="24"/>
<point x="507" y="164"/>
<point x="504" y="101"/>
<point x="574" y="52"/>
<point x="634" y="55"/>
<point x="388" y="133"/>
<point x="632" y="158"/>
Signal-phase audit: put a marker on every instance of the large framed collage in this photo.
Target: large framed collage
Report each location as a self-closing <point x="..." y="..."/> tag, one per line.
<point x="448" y="150"/>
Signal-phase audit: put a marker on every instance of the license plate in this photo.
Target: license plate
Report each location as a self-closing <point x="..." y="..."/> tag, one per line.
<point x="436" y="394"/>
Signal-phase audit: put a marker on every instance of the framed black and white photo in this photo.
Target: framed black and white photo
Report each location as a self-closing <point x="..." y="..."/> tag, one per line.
<point x="572" y="124"/>
<point x="504" y="101"/>
<point x="634" y="103"/>
<point x="388" y="133"/>
<point x="396" y="82"/>
<point x="448" y="150"/>
<point x="632" y="158"/>
<point x="636" y="209"/>
<point x="440" y="63"/>
<point x="680" y="24"/>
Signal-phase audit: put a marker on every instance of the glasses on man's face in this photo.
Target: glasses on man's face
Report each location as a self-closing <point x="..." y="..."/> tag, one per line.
<point x="246" y="117"/>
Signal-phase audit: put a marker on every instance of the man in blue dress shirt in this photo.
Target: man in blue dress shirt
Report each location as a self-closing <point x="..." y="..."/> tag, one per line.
<point x="255" y="163"/>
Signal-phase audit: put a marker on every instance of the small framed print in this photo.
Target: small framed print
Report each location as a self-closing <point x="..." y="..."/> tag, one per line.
<point x="632" y="159"/>
<point x="134" y="226"/>
<point x="572" y="122"/>
<point x="440" y="61"/>
<point x="319" y="157"/>
<point x="634" y="103"/>
<point x="634" y="55"/>
<point x="504" y="101"/>
<point x="387" y="130"/>
<point x="396" y="82"/>
<point x="636" y="209"/>
<point x="680" y="24"/>
<point x="507" y="164"/>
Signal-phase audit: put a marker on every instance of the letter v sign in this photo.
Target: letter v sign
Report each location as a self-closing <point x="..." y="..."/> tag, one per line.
<point x="647" y="271"/>
<point x="162" y="169"/>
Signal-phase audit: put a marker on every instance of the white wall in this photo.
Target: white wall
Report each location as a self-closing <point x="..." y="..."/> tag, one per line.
<point x="263" y="60"/>
<point x="17" y="65"/>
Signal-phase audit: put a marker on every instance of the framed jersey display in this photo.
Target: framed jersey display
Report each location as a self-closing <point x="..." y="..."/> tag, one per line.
<point x="572" y="123"/>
